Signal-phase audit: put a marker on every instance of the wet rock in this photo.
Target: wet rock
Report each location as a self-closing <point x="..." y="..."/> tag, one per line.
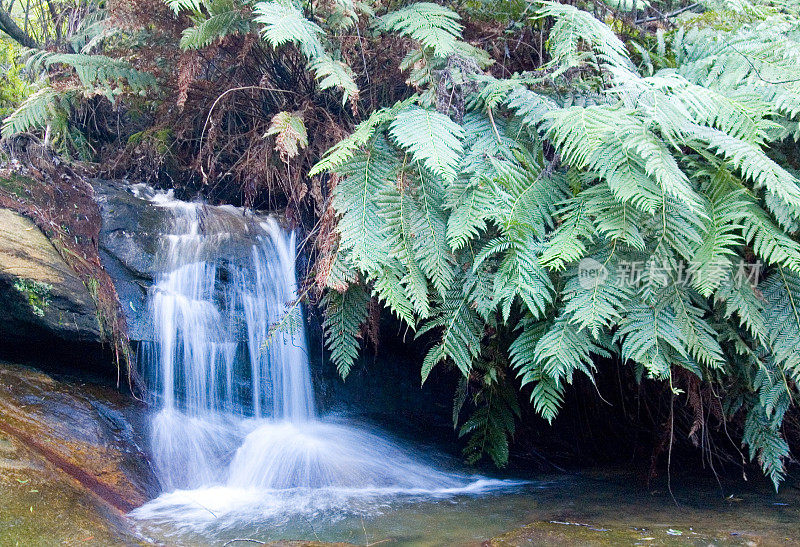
<point x="71" y="461"/>
<point x="42" y="298"/>
<point x="129" y="239"/>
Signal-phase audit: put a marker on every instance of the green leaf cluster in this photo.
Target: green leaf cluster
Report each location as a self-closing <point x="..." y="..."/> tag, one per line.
<point x="586" y="210"/>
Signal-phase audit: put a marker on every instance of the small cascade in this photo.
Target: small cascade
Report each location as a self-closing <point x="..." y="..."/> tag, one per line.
<point x="228" y="372"/>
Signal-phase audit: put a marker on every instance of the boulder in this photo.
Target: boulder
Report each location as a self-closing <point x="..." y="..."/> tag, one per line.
<point x="129" y="240"/>
<point x="41" y="298"/>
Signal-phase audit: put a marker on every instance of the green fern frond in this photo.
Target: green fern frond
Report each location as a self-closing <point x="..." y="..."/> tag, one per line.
<point x="595" y="298"/>
<point x="431" y="138"/>
<point x="435" y="27"/>
<point x="331" y="73"/>
<point x="285" y="23"/>
<point x="698" y="338"/>
<point x="93" y="70"/>
<point x="361" y="225"/>
<point x="548" y="394"/>
<point x="195" y="6"/>
<point x="769" y="242"/>
<point x="520" y="275"/>
<point x="493" y="422"/>
<point x="650" y="337"/>
<point x="722" y="237"/>
<point x="217" y="26"/>
<point x="344" y="314"/>
<point x="766" y="444"/>
<point x="781" y="292"/>
<point x="461" y="328"/>
<point x="738" y="294"/>
<point x="564" y="350"/>
<point x="574" y="27"/>
<point x="753" y="164"/>
<point x="46" y="106"/>
<point x="568" y="242"/>
<point x="344" y="150"/>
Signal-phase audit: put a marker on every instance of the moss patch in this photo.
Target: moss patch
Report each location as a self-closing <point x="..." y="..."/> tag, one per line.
<point x="17" y="185"/>
<point x="37" y="294"/>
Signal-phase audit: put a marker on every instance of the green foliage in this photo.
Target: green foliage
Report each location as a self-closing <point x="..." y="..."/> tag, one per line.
<point x="285" y="23"/>
<point x="98" y="73"/>
<point x="13" y="85"/>
<point x="435" y="27"/>
<point x="216" y="20"/>
<point x="431" y="138"/>
<point x="634" y="199"/>
<point x="344" y="314"/>
<point x="493" y="419"/>
<point x="36" y="293"/>
<point x="592" y="211"/>
<point x="49" y="107"/>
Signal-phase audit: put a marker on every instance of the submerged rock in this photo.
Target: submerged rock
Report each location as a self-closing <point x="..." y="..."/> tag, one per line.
<point x="556" y="532"/>
<point x="42" y="298"/>
<point x="71" y="463"/>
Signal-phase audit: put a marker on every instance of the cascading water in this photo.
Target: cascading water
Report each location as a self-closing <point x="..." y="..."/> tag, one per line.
<point x="236" y="433"/>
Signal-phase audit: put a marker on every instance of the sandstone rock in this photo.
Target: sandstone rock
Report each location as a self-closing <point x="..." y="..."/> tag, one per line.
<point x="71" y="461"/>
<point x="41" y="298"/>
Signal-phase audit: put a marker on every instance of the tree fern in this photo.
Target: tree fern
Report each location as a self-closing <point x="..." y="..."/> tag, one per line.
<point x="529" y="214"/>
<point x="434" y="26"/>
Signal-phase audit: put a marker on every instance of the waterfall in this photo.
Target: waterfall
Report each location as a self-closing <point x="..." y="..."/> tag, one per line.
<point x="228" y="371"/>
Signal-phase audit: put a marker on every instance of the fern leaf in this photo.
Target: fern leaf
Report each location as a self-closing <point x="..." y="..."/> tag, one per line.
<point x="344" y="314"/>
<point x="284" y="23"/>
<point x="331" y="73"/>
<point x="435" y="27"/>
<point x="460" y="326"/>
<point x="432" y="139"/>
<point x="216" y="27"/>
<point x="362" y="226"/>
<point x="781" y="292"/>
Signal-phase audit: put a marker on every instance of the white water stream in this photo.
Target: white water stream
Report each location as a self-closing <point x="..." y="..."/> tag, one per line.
<point x="236" y="435"/>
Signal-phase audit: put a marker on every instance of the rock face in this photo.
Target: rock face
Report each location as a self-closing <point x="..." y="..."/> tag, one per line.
<point x="42" y="298"/>
<point x="129" y="239"/>
<point x="71" y="461"/>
